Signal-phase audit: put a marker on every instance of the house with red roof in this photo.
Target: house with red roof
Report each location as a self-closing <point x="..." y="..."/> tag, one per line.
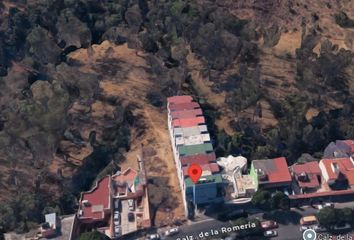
<point x="208" y="169"/>
<point x="338" y="172"/>
<point x="271" y="173"/>
<point x="188" y="122"/>
<point x="117" y="206"/>
<point x="186" y="114"/>
<point x="183" y="106"/>
<point x="179" y="99"/>
<point x="307" y="177"/>
<point x="95" y="205"/>
<point x="203" y="158"/>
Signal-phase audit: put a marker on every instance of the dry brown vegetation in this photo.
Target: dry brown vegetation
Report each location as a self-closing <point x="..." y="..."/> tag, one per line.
<point x="149" y="129"/>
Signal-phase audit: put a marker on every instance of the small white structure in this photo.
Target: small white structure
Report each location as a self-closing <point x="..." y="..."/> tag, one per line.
<point x="230" y="163"/>
<point x="233" y="169"/>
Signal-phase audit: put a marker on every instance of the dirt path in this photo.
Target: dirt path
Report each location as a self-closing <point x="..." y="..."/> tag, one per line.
<point x="131" y="83"/>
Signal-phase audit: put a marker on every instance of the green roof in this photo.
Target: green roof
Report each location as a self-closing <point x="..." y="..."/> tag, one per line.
<point x="136" y="181"/>
<point x="195" y="149"/>
<point x="215" y="178"/>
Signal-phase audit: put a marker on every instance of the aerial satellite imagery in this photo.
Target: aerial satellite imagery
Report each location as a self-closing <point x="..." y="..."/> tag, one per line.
<point x="176" y="119"/>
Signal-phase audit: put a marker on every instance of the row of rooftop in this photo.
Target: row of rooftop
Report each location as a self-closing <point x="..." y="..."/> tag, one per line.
<point x="331" y="175"/>
<point x="191" y="144"/>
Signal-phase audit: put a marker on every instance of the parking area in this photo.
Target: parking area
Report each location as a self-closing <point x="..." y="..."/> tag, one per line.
<point x="127" y="226"/>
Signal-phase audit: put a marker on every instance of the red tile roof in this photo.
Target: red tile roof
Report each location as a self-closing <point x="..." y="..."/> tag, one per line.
<point x="188" y="122"/>
<point x="345" y="165"/>
<point x="212" y="167"/>
<point x="98" y="196"/>
<point x="184" y="106"/>
<point x="126" y="176"/>
<point x="276" y="169"/>
<point x="124" y="180"/>
<point x="311" y="169"/>
<point x="186" y="114"/>
<point x="323" y="194"/>
<point x="198" y="159"/>
<point x="179" y="99"/>
<point x="281" y="174"/>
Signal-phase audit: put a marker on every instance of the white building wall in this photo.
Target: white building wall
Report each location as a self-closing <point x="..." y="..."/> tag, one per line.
<point x="324" y="171"/>
<point x="178" y="164"/>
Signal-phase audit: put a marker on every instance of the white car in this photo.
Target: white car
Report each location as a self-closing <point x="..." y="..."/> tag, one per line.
<point x="131" y="204"/>
<point x="304" y="228"/>
<point x="172" y="231"/>
<point x="331" y="205"/>
<point x="313" y="227"/>
<point x="270" y="233"/>
<point x="153" y="236"/>
<point x="343" y="227"/>
<point x="319" y="229"/>
<point x="116" y="215"/>
<point x="117" y="230"/>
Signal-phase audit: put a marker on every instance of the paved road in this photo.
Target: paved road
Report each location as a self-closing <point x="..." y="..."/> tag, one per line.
<point x="288" y="223"/>
<point x="195" y="229"/>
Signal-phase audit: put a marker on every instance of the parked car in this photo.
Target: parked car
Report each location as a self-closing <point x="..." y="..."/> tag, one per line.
<point x="131" y="204"/>
<point x="153" y="236"/>
<point x="117" y="222"/>
<point x="270" y="233"/>
<point x="319" y="229"/>
<point x="172" y="231"/>
<point x="117" y="205"/>
<point x="328" y="204"/>
<point x="117" y="230"/>
<point x="304" y="228"/>
<point x="266" y="225"/>
<point x="313" y="227"/>
<point x="131" y="217"/>
<point x="342" y="227"/>
<point x="116" y="215"/>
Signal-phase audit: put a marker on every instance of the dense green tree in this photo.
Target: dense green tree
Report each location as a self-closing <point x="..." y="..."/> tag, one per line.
<point x="327" y="217"/>
<point x="42" y="46"/>
<point x="72" y="31"/>
<point x="280" y="201"/>
<point x="246" y="91"/>
<point x="7" y="218"/>
<point x="93" y="236"/>
<point x="343" y="20"/>
<point x="134" y="18"/>
<point x="257" y="230"/>
<point x="262" y="199"/>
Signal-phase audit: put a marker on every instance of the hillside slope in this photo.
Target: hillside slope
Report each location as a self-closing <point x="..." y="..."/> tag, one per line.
<point x="273" y="77"/>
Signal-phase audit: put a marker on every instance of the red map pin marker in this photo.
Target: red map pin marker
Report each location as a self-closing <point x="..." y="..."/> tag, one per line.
<point x="194" y="172"/>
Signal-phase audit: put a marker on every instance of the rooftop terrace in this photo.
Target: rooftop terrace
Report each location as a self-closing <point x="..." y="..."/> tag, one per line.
<point x="195" y="149"/>
<point x="215" y="178"/>
<point x="202" y="158"/>
<point x="97" y="200"/>
<point x="276" y="170"/>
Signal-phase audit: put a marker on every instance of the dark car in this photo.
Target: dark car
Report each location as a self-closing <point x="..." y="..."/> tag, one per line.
<point x="131" y="217"/>
<point x="267" y="225"/>
<point x="117" y="205"/>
